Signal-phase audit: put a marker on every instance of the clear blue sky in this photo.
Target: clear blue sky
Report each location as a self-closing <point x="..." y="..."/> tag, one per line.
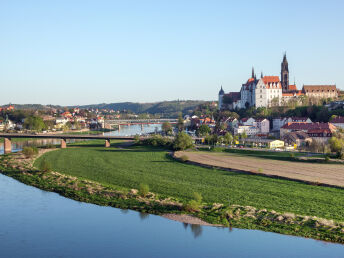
<point x="82" y="52"/>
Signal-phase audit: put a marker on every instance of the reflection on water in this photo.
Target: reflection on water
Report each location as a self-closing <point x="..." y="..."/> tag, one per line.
<point x="130" y="130"/>
<point x="36" y="223"/>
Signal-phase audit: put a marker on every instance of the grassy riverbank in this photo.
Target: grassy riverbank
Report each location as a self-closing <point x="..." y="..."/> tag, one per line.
<point x="229" y="198"/>
<point x="127" y="168"/>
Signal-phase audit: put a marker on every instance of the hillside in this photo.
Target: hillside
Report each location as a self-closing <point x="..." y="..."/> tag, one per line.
<point x="164" y="108"/>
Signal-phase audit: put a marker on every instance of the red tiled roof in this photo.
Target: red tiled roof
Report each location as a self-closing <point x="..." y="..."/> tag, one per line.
<point x="235" y="96"/>
<point x="269" y="79"/>
<point x="338" y="120"/>
<point x="308" y="126"/>
<point x="319" y="88"/>
<point x="292" y="87"/>
<point x="296" y="119"/>
<point x="319" y="131"/>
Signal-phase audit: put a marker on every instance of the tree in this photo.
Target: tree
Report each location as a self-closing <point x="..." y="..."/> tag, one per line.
<point x="203" y="130"/>
<point x="182" y="141"/>
<point x="180" y="123"/>
<point x="167" y="128"/>
<point x="143" y="190"/>
<point x="34" y="123"/>
<point x="228" y="138"/>
<point x="336" y="144"/>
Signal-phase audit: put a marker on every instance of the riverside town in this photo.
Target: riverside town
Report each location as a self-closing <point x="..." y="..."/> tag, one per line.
<point x="188" y="153"/>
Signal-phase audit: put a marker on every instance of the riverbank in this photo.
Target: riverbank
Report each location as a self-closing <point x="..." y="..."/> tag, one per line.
<point x="234" y="215"/>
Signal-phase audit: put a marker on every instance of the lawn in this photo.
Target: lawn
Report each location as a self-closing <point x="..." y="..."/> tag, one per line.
<point x="127" y="168"/>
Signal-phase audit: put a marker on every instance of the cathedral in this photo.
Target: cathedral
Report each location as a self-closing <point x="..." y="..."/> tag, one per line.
<point x="271" y="91"/>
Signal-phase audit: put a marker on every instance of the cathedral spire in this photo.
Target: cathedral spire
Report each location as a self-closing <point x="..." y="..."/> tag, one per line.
<point x="252" y="72"/>
<point x="285" y="73"/>
<point x="261" y="75"/>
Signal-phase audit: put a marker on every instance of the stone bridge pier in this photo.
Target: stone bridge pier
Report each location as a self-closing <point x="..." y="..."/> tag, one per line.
<point x="7" y="145"/>
<point x="63" y="144"/>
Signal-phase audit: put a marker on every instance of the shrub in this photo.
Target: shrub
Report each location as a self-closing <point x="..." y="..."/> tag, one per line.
<point x="192" y="206"/>
<point x="136" y="139"/>
<point x="184" y="158"/>
<point x="197" y="197"/>
<point x="157" y="141"/>
<point x="45" y="166"/>
<point x="182" y="141"/>
<point x="327" y="158"/>
<point x="50" y="146"/>
<point x="143" y="190"/>
<point x="30" y="151"/>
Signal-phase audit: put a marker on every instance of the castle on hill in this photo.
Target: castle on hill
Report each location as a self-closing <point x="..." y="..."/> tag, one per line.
<point x="271" y="91"/>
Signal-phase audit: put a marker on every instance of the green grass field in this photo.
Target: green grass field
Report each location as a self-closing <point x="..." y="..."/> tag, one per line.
<point x="127" y="168"/>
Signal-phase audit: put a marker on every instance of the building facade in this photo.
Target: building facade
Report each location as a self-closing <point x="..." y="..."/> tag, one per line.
<point x="272" y="91"/>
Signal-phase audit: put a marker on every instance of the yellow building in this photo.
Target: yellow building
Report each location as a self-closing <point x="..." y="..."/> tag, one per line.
<point x="276" y="144"/>
<point x="269" y="143"/>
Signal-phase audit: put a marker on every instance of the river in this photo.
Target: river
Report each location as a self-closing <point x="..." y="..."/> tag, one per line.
<point x="126" y="130"/>
<point x="36" y="223"/>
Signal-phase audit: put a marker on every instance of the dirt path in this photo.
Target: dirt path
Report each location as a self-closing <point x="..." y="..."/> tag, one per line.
<point x="331" y="174"/>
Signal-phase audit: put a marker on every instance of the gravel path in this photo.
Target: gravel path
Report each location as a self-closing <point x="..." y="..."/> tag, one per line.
<point x="332" y="174"/>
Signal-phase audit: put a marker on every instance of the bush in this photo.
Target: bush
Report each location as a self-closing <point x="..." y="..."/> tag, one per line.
<point x="45" y="166"/>
<point x="182" y="141"/>
<point x="197" y="197"/>
<point x="29" y="152"/>
<point x="157" y="141"/>
<point x="50" y="146"/>
<point x="184" y="158"/>
<point x="136" y="139"/>
<point x="194" y="205"/>
<point x="327" y="158"/>
<point x="143" y="190"/>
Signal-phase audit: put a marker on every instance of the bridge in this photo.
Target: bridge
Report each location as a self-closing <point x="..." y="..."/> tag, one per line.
<point x="9" y="136"/>
<point x="140" y="121"/>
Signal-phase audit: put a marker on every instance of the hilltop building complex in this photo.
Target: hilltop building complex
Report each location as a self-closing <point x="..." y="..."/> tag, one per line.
<point x="272" y="91"/>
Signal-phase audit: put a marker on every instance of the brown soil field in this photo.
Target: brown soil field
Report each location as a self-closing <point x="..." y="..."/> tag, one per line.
<point x="329" y="174"/>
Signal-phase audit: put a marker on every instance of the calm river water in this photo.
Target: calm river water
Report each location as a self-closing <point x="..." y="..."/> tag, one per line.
<point x="35" y="223"/>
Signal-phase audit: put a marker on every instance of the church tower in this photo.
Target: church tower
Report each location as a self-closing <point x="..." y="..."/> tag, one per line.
<point x="221" y="94"/>
<point x="285" y="74"/>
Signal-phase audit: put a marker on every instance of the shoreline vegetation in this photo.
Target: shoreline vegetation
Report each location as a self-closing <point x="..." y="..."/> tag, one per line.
<point x="322" y="222"/>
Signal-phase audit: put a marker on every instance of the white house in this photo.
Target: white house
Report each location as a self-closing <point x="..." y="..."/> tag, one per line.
<point x="277" y="123"/>
<point x="263" y="125"/>
<point x="61" y="120"/>
<point x="248" y="129"/>
<point x="248" y="121"/>
<point x="268" y="92"/>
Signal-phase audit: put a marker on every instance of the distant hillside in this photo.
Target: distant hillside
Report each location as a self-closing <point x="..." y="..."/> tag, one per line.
<point x="32" y="106"/>
<point x="165" y="108"/>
